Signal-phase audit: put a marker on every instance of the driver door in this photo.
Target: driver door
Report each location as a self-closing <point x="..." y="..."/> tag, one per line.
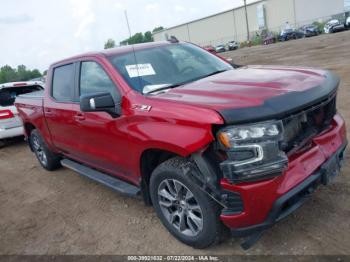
<point x="102" y="138"/>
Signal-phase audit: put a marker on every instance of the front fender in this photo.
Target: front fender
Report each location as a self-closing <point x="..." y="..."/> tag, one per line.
<point x="179" y="139"/>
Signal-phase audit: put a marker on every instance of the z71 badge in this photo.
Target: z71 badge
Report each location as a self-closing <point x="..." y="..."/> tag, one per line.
<point x="144" y="108"/>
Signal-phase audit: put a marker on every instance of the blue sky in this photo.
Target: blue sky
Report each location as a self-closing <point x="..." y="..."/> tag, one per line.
<point x="38" y="32"/>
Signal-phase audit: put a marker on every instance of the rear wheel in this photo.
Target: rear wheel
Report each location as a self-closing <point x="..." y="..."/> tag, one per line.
<point x="46" y="158"/>
<point x="188" y="213"/>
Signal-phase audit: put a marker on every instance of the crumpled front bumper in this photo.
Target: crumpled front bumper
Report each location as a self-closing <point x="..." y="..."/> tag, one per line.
<point x="267" y="202"/>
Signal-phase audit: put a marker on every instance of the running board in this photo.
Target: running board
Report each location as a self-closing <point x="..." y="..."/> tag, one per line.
<point x="109" y="181"/>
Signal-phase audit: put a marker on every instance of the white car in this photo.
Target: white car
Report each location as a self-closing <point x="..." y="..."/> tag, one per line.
<point x="333" y="26"/>
<point x="10" y="123"/>
<point x="232" y="45"/>
<point x="347" y="23"/>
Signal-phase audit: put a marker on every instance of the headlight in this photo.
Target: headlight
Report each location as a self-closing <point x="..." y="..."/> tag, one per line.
<point x="257" y="132"/>
<point x="253" y="151"/>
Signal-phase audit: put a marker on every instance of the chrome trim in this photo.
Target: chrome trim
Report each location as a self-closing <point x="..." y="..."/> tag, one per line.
<point x="259" y="157"/>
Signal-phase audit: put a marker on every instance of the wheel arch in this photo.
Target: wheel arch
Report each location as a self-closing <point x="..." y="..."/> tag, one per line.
<point x="150" y="159"/>
<point x="28" y="129"/>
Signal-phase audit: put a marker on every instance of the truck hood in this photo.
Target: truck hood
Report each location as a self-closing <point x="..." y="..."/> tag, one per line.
<point x="256" y="92"/>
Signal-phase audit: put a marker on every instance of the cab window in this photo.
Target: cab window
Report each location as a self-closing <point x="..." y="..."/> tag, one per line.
<point x="63" y="83"/>
<point x="93" y="79"/>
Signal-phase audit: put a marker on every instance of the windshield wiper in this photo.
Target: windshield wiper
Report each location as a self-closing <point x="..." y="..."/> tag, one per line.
<point x="150" y="90"/>
<point x="214" y="73"/>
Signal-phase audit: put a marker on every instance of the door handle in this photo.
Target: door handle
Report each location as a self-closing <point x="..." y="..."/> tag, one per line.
<point x="79" y="117"/>
<point x="48" y="112"/>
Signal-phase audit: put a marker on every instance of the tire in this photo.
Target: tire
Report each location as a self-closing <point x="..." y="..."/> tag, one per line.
<point x="47" y="159"/>
<point x="201" y="226"/>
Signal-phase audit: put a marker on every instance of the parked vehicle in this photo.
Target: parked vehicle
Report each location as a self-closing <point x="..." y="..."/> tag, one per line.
<point x="269" y="39"/>
<point x="210" y="49"/>
<point x="347" y="22"/>
<point x="211" y="147"/>
<point x="10" y="122"/>
<point x="232" y="45"/>
<point x="38" y="79"/>
<point x="333" y="26"/>
<point x="289" y="34"/>
<point x="309" y="30"/>
<point x="220" y="49"/>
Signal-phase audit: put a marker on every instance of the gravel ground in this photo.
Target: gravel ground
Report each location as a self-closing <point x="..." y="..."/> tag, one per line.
<point x="62" y="213"/>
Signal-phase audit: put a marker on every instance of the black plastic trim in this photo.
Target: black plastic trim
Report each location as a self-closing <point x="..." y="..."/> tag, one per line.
<point x="281" y="106"/>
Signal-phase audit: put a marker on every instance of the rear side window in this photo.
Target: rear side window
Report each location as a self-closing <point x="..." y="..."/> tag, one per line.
<point x="93" y="79"/>
<point x="63" y="83"/>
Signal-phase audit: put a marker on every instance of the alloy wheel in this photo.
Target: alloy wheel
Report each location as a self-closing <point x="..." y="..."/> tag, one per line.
<point x="180" y="207"/>
<point x="39" y="151"/>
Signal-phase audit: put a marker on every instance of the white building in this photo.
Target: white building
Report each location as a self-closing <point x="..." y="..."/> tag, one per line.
<point x="264" y="14"/>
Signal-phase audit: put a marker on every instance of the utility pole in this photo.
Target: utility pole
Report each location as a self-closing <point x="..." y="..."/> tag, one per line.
<point x="246" y="19"/>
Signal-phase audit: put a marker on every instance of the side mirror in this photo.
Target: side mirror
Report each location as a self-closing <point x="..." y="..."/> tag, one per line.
<point x="100" y="102"/>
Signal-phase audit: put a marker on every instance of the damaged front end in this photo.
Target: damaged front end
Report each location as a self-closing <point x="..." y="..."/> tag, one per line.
<point x="260" y="151"/>
<point x="244" y="155"/>
<point x="253" y="151"/>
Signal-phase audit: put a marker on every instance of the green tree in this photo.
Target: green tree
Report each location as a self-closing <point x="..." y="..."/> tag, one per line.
<point x="22" y="73"/>
<point x="157" y="29"/>
<point x="9" y="74"/>
<point x="35" y="74"/>
<point x="138" y="38"/>
<point x="148" y="37"/>
<point x="109" y="44"/>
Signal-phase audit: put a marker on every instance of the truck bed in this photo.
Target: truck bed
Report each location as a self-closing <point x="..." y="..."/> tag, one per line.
<point x="36" y="95"/>
<point x="30" y="109"/>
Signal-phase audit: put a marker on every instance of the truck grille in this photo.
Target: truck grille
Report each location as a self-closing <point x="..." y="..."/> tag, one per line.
<point x="300" y="128"/>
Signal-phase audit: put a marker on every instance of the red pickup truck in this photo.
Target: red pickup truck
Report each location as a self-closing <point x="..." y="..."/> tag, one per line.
<point x="212" y="147"/>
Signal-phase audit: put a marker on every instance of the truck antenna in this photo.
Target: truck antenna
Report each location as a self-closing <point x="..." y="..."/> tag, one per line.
<point x="133" y="48"/>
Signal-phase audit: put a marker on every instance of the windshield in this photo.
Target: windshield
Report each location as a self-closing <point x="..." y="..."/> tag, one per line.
<point x="333" y="22"/>
<point x="168" y="65"/>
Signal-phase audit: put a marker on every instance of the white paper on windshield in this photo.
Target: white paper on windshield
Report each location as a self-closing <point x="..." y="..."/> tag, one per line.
<point x="140" y="70"/>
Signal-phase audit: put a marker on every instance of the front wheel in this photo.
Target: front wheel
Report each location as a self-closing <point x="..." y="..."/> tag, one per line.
<point x="46" y="158"/>
<point x="187" y="212"/>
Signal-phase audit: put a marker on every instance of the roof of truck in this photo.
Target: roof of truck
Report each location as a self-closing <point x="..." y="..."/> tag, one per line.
<point x="118" y="50"/>
<point x="130" y="48"/>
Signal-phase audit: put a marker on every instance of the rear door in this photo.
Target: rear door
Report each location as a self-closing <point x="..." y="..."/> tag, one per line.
<point x="58" y="110"/>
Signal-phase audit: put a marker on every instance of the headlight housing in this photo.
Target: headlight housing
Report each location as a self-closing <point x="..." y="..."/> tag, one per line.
<point x="254" y="132"/>
<point x="253" y="151"/>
